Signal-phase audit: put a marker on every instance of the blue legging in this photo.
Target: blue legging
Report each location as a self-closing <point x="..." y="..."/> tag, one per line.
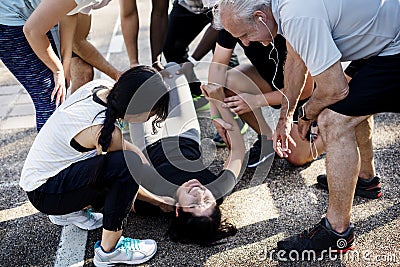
<point x="30" y="71"/>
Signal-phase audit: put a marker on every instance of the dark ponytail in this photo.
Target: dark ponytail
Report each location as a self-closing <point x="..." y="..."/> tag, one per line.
<point x="139" y="89"/>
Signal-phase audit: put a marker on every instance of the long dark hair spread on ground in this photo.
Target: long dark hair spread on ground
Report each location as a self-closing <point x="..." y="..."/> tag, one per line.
<point x="201" y="230"/>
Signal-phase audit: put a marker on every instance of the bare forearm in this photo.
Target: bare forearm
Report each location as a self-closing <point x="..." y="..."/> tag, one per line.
<point x="133" y="148"/>
<point x="217" y="72"/>
<point x="41" y="46"/>
<point x="332" y="87"/>
<point x="238" y="149"/>
<point x="271" y="99"/>
<point x="86" y="51"/>
<point x="149" y="197"/>
<point x="67" y="28"/>
<point x="206" y="43"/>
<point x="295" y="78"/>
<point x="45" y="16"/>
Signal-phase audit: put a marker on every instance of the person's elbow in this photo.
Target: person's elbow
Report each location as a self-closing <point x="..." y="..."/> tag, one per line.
<point x="29" y="31"/>
<point x="340" y="94"/>
<point x="79" y="45"/>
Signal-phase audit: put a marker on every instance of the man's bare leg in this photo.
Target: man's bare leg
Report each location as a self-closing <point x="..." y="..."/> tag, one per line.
<point x="246" y="79"/>
<point x="81" y="73"/>
<point x="364" y="140"/>
<point x="342" y="164"/>
<point x="87" y="52"/>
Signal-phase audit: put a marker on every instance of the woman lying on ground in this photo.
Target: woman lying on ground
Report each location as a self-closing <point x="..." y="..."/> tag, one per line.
<point x="78" y="160"/>
<point x="175" y="153"/>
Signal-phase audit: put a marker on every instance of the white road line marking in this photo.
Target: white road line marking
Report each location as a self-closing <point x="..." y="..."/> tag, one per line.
<point x="71" y="249"/>
<point x="24" y="210"/>
<point x="116" y="45"/>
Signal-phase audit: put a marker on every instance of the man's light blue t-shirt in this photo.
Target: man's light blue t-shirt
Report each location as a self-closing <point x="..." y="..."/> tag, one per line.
<point x="325" y="31"/>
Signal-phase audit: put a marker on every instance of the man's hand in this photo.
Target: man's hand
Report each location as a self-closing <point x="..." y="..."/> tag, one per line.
<point x="213" y="91"/>
<point x="282" y="138"/>
<point x="243" y="102"/>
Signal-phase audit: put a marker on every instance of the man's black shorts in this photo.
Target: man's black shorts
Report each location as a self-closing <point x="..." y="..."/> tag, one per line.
<point x="374" y="88"/>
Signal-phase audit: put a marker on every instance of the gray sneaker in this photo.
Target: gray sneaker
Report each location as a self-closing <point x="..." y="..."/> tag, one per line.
<point x="84" y="219"/>
<point x="127" y="251"/>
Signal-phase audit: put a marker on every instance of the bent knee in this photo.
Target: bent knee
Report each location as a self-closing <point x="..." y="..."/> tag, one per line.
<point x="298" y="161"/>
<point x="233" y="80"/>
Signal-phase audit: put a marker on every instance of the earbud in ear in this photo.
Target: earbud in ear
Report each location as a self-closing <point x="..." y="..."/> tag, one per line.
<point x="260" y="19"/>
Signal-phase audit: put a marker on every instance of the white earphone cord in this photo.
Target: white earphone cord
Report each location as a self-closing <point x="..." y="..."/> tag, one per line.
<point x="276" y="63"/>
<point x="312" y="144"/>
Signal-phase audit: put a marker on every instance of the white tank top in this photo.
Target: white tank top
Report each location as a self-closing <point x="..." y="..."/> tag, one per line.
<point x="51" y="151"/>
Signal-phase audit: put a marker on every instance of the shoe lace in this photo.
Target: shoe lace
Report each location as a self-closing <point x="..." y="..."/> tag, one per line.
<point x="130" y="244"/>
<point x="310" y="233"/>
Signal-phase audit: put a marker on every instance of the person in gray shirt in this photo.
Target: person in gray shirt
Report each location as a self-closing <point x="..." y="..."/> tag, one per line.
<point x="320" y="34"/>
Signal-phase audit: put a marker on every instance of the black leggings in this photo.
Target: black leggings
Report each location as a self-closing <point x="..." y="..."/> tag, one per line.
<point x="71" y="189"/>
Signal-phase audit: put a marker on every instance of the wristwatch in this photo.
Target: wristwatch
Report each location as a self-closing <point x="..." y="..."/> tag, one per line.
<point x="302" y="113"/>
<point x="193" y="61"/>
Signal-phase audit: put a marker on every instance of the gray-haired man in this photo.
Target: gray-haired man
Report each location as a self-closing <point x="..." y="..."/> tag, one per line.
<point x="320" y="34"/>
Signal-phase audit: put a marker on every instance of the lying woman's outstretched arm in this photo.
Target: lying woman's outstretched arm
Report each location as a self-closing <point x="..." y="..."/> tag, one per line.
<point x="237" y="150"/>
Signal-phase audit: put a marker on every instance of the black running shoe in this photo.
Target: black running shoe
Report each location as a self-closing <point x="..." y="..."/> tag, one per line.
<point x="260" y="151"/>
<point x="320" y="238"/>
<point x="371" y="190"/>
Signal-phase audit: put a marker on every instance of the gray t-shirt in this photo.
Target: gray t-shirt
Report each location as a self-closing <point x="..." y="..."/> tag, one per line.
<point x="325" y="31"/>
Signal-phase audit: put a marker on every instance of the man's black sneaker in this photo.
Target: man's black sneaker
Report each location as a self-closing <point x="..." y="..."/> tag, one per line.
<point x="261" y="150"/>
<point x="371" y="189"/>
<point x="320" y="238"/>
<point x="219" y="142"/>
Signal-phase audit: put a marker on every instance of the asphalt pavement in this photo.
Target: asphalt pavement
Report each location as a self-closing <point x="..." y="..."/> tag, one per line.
<point x="266" y="205"/>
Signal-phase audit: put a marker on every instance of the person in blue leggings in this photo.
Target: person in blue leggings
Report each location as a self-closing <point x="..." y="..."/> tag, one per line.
<point x="19" y="58"/>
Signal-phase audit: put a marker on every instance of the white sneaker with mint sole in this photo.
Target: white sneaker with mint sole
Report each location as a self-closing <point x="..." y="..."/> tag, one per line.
<point x="84" y="219"/>
<point x="127" y="251"/>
